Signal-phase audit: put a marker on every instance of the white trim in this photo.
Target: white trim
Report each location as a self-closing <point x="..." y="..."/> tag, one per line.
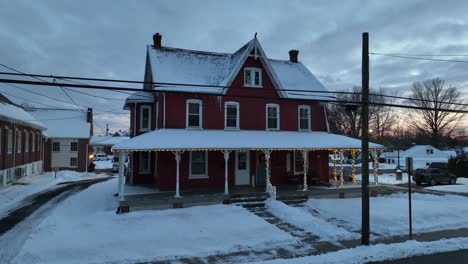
<point x="200" y="113"/>
<point x="277" y="116"/>
<point x="19" y="141"/>
<point x="26" y="141"/>
<point x="143" y="107"/>
<point x="198" y="176"/>
<point x="247" y="157"/>
<point x="236" y="104"/>
<point x="252" y="71"/>
<point x="10" y="139"/>
<point x="156" y="126"/>
<point x="294" y="165"/>
<point x="309" y="123"/>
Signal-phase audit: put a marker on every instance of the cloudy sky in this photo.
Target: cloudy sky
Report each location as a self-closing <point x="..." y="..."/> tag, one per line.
<point x="107" y="39"/>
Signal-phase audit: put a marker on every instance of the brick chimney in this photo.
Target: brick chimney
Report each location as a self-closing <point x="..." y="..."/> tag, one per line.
<point x="89" y="119"/>
<point x="157" y="40"/>
<point x="293" y="56"/>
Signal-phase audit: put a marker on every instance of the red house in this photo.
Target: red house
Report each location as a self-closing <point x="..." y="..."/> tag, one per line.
<point x="218" y="120"/>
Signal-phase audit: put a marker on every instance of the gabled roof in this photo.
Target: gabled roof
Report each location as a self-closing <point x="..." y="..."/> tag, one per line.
<point x="210" y="69"/>
<point x="63" y="123"/>
<point x="12" y="112"/>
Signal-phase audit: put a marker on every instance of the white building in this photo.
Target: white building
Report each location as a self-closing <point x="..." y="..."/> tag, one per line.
<point x="422" y="156"/>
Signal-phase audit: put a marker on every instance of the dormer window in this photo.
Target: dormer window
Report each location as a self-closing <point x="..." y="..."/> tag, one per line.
<point x="145" y="118"/>
<point x="194" y="114"/>
<point x="253" y="77"/>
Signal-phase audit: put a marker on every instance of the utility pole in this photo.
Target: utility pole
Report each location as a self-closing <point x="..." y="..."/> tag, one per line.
<point x="107" y="129"/>
<point x="365" y="228"/>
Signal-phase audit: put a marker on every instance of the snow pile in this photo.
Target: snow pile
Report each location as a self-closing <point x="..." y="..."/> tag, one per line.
<point x="386" y="178"/>
<point x="302" y="219"/>
<point x="389" y="214"/>
<point x="85" y="229"/>
<point x="13" y="196"/>
<point x="460" y="187"/>
<point x="379" y="252"/>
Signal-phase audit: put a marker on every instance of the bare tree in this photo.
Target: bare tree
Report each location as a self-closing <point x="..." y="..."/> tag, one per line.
<point x="435" y="123"/>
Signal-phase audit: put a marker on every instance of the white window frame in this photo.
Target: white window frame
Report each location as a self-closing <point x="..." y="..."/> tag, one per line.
<point x="26" y="141"/>
<point x="73" y="166"/>
<point x="140" y="162"/>
<point x="236" y="104"/>
<point x="39" y="141"/>
<point x="142" y="108"/>
<point x="19" y="141"/>
<point x="294" y="165"/>
<point x="9" y="141"/>
<point x="277" y="116"/>
<point x="309" y="123"/>
<point x="252" y="71"/>
<point x="76" y="142"/>
<point x="58" y="142"/>
<point x="200" y="114"/>
<point x="198" y="176"/>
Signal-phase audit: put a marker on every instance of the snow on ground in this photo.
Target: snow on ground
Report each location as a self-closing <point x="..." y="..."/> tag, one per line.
<point x="103" y="164"/>
<point x="12" y="196"/>
<point x="139" y="189"/>
<point x="460" y="187"/>
<point x="386" y="178"/>
<point x="379" y="252"/>
<point x="85" y="229"/>
<point x="304" y="220"/>
<point x="389" y="214"/>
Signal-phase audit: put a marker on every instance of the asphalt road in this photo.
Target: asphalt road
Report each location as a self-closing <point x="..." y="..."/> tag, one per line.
<point x="452" y="257"/>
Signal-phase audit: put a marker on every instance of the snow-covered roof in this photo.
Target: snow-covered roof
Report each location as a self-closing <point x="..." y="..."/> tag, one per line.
<point x="63" y="123"/>
<point x="106" y="140"/>
<point x="13" y="113"/>
<point x="140" y="97"/>
<point x="211" y="69"/>
<point x="186" y="139"/>
<point x="421" y="151"/>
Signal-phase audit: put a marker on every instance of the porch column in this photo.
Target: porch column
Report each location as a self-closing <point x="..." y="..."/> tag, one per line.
<point x="226" y="159"/>
<point x="341" y="168"/>
<point x="269" y="187"/>
<point x="335" y="179"/>
<point x="353" y="168"/>
<point x="121" y="180"/>
<point x="305" y="157"/>
<point x="375" y="166"/>
<point x="177" y="155"/>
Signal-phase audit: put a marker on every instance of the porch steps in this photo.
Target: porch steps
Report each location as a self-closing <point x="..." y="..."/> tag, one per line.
<point x="252" y="201"/>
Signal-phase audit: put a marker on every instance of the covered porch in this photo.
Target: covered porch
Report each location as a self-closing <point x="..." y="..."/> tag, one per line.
<point x="225" y="146"/>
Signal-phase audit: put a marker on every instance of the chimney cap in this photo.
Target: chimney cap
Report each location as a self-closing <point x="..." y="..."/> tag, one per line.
<point x="293" y="54"/>
<point x="157" y="40"/>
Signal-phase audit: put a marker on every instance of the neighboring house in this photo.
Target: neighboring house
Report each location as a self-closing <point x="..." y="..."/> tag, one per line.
<point x="451" y="153"/>
<point x="214" y="134"/>
<point x="422" y="156"/>
<point x="103" y="144"/>
<point x="20" y="142"/>
<point x="68" y="134"/>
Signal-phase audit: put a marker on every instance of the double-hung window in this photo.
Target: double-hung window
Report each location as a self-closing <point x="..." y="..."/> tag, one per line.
<point x="145" y="118"/>
<point x="298" y="163"/>
<point x="74" y="146"/>
<point x="303" y="115"/>
<point x="231" y="115"/>
<point x="9" y="141"/>
<point x="73" y="162"/>
<point x="26" y="141"/>
<point x="33" y="142"/>
<point x="55" y="146"/>
<point x="198" y="164"/>
<point x="252" y="77"/>
<point x="194" y="114"/>
<point x="19" y="141"/>
<point x="272" y="117"/>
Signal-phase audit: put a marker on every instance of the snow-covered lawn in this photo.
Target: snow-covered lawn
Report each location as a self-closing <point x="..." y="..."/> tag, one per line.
<point x="103" y="164"/>
<point x="85" y="229"/>
<point x="460" y="187"/>
<point x="304" y="220"/>
<point x="389" y="214"/>
<point x="379" y="252"/>
<point x="386" y="178"/>
<point x="11" y="196"/>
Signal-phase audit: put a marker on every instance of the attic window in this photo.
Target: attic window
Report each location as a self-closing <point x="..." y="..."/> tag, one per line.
<point x="253" y="77"/>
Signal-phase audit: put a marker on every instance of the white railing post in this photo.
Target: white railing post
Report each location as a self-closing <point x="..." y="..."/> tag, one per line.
<point x="121" y="175"/>
<point x="178" y="155"/>
<point x="305" y="157"/>
<point x="226" y="159"/>
<point x="341" y="168"/>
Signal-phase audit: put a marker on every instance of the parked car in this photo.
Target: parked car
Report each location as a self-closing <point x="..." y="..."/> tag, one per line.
<point x="115" y="164"/>
<point x="434" y="174"/>
<point x="100" y="157"/>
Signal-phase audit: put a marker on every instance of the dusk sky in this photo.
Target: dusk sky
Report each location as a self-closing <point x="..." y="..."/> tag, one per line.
<point x="107" y="39"/>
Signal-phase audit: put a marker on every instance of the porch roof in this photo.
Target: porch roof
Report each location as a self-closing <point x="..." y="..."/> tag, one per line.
<point x="204" y="139"/>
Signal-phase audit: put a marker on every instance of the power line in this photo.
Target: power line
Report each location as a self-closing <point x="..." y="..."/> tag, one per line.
<point x="417" y="58"/>
<point x="420" y="55"/>
<point x="100" y="87"/>
<point x="24" y="99"/>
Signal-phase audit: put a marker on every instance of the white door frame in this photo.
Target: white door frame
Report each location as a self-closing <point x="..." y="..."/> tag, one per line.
<point x="247" y="167"/>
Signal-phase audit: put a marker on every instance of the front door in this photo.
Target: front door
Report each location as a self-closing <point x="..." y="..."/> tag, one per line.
<point x="260" y="169"/>
<point x="242" y="168"/>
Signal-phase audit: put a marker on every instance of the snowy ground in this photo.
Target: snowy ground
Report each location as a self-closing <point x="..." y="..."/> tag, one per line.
<point x="386" y="178"/>
<point x="12" y="196"/>
<point x="85" y="229"/>
<point x="103" y="164"/>
<point x="389" y="214"/>
<point x="460" y="187"/>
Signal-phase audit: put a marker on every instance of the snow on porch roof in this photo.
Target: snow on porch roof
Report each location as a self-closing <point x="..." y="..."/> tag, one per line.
<point x="186" y="139"/>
